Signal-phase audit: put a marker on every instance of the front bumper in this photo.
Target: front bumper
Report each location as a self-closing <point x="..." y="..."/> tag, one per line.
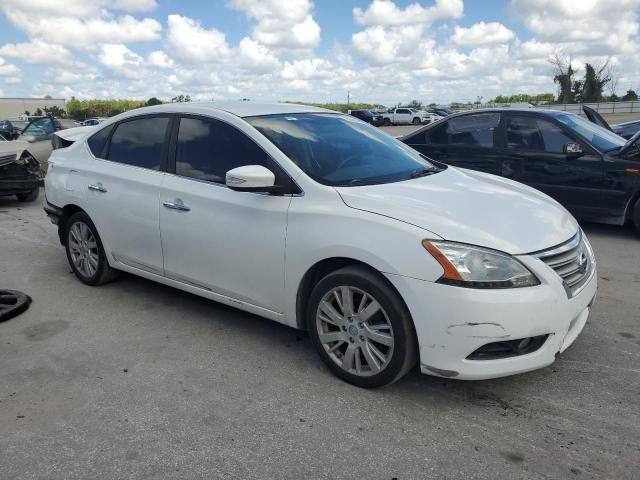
<point x="19" y="185"/>
<point x="452" y="322"/>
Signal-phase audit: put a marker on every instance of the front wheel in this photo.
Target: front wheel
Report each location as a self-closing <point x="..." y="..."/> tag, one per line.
<point x="636" y="215"/>
<point x="361" y="328"/>
<point x="85" y="252"/>
<point x="416" y="121"/>
<point x="386" y="122"/>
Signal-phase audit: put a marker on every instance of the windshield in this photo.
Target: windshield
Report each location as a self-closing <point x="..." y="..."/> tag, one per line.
<point x="339" y="150"/>
<point x="603" y="139"/>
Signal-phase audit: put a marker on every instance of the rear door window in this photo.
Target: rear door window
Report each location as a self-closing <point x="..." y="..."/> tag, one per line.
<point x="470" y="130"/>
<point x="140" y="142"/>
<point x="98" y="141"/>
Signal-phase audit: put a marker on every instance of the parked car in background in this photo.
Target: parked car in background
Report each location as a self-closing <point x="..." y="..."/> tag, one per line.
<point x="627" y="129"/>
<point x="442" y="112"/>
<point x="590" y="170"/>
<point x="405" y="116"/>
<point x="320" y="221"/>
<point x="367" y="116"/>
<point x="92" y="121"/>
<point x="36" y="139"/>
<point x="19" y="171"/>
<point x="8" y="130"/>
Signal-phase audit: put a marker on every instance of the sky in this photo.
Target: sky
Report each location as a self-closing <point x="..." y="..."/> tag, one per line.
<point x="377" y="51"/>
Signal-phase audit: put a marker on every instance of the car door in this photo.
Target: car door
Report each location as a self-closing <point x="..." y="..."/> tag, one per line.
<point x="403" y="115"/>
<point x="38" y="133"/>
<point x="228" y="242"/>
<point x="538" y="145"/>
<point x="473" y="141"/>
<point x="122" y="189"/>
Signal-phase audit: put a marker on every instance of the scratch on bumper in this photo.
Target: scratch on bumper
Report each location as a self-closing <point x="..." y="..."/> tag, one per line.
<point x="477" y="330"/>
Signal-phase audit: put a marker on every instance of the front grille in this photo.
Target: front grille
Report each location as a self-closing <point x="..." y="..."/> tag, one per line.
<point x="573" y="261"/>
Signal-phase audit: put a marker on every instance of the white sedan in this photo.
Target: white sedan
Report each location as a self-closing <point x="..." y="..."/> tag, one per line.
<point x="319" y="221"/>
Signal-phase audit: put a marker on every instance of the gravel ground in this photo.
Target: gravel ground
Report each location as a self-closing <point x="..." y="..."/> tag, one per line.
<point x="138" y="380"/>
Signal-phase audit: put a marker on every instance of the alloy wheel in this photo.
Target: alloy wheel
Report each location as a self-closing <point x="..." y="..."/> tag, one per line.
<point x="355" y="331"/>
<point x="83" y="248"/>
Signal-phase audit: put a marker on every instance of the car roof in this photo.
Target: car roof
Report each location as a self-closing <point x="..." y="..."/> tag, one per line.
<point x="241" y="109"/>
<point x="514" y="110"/>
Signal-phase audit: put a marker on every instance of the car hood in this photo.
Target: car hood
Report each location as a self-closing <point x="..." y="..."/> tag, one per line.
<point x="14" y="146"/>
<point x="470" y="207"/>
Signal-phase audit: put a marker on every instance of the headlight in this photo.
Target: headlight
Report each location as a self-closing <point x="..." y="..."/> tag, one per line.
<point x="477" y="267"/>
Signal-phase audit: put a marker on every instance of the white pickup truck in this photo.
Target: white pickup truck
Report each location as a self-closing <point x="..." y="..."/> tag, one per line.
<point x="406" y="116"/>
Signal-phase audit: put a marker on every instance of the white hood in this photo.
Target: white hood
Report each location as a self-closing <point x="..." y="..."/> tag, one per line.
<point x="470" y="207"/>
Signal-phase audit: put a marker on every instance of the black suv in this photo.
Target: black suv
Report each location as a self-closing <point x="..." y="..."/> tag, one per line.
<point x="590" y="170"/>
<point x="8" y="130"/>
<point x="368" y="117"/>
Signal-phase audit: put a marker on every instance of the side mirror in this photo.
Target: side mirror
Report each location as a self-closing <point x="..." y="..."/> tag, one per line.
<point x="29" y="138"/>
<point x="251" y="178"/>
<point x="572" y="149"/>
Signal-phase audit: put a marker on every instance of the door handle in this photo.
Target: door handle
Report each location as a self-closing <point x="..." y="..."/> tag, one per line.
<point x="97" y="187"/>
<point x="176" y="205"/>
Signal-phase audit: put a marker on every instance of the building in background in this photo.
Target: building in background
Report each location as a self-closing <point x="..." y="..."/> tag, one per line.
<point x="15" y="108"/>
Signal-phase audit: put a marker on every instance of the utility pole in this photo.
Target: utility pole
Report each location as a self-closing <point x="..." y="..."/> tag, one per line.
<point x="348" y="99"/>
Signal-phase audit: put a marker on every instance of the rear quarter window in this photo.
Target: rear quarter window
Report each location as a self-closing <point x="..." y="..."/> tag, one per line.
<point x="98" y="141"/>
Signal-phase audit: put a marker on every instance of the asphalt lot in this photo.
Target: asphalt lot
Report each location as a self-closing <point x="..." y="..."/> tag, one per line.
<point x="138" y="380"/>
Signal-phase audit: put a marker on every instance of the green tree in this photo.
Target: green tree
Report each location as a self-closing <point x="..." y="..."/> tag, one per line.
<point x="595" y="79"/>
<point x="54" y="111"/>
<point x="27" y="113"/>
<point x="181" y="98"/>
<point x="153" y="101"/>
<point x="564" y="73"/>
<point x="38" y="112"/>
<point x="631" y="95"/>
<point x="415" y="104"/>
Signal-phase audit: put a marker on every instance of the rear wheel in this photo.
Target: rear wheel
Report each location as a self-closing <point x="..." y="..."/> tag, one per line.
<point x="29" y="196"/>
<point x="85" y="252"/>
<point x="361" y="328"/>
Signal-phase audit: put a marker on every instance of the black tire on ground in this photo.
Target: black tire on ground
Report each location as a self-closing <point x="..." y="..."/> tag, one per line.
<point x="29" y="196"/>
<point x="386" y="122"/>
<point x="405" y="348"/>
<point x="416" y="121"/>
<point x="636" y="215"/>
<point x="103" y="273"/>
<point x="12" y="303"/>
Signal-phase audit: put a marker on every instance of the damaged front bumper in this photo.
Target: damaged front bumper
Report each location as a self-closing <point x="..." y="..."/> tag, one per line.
<point x="453" y="324"/>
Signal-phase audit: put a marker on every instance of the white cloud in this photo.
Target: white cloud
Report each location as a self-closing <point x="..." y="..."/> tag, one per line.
<point x="482" y="34"/>
<point x="160" y="59"/>
<point x="387" y="13"/>
<point x="8" y="69"/>
<point x="281" y="23"/>
<point x="602" y="26"/>
<point x="121" y="61"/>
<point x="38" y="51"/>
<point x="383" y="46"/>
<point x="255" y="57"/>
<point x="190" y="43"/>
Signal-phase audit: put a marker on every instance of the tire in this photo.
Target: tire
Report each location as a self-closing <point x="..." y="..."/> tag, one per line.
<point x="386" y="122"/>
<point x="636" y="215"/>
<point x="416" y="121"/>
<point x="29" y="196"/>
<point x="82" y="240"/>
<point x="373" y="347"/>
